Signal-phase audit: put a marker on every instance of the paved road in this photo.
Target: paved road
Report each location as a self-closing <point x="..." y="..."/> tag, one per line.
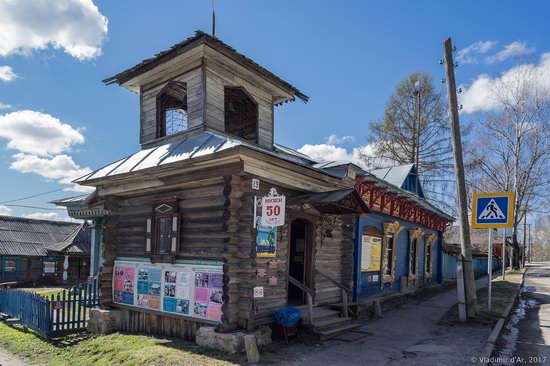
<point x="408" y="335"/>
<point x="526" y="337"/>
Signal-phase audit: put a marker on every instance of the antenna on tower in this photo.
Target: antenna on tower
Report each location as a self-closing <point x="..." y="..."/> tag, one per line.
<point x="213" y="20"/>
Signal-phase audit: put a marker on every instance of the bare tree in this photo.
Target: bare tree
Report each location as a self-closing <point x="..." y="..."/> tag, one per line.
<point x="513" y="144"/>
<point x="394" y="137"/>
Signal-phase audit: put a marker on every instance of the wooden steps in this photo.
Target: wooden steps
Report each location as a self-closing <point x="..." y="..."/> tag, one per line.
<point x="327" y="323"/>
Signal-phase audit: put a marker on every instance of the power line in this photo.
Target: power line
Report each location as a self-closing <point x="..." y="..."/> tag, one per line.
<point x="35" y="195"/>
<point x="36" y="207"/>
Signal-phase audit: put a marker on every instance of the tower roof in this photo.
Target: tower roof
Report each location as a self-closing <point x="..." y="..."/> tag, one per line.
<point x="198" y="39"/>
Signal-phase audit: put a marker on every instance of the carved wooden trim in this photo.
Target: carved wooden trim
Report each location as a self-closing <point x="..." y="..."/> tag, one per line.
<point x="391" y="229"/>
<point x="414" y="237"/>
<point x="428" y="248"/>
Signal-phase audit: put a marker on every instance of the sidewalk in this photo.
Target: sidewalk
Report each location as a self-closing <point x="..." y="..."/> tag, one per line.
<point x="409" y="335"/>
<point x="7" y="359"/>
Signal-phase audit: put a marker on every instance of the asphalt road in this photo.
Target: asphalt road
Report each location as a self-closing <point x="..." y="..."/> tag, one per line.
<point x="526" y="337"/>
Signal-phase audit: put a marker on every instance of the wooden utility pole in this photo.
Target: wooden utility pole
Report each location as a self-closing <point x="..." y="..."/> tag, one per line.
<point x="465" y="244"/>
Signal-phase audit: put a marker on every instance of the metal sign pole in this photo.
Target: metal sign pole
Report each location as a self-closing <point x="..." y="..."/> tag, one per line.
<point x="504" y="254"/>
<point x="490" y="268"/>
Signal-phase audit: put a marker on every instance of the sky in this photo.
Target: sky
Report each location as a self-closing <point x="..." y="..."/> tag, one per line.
<point x="58" y="121"/>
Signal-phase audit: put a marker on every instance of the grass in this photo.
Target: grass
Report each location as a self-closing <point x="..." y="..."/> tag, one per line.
<point x="113" y="349"/>
<point x="503" y="294"/>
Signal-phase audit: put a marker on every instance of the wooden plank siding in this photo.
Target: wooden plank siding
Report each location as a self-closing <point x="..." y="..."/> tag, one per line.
<point x="148" y="103"/>
<point x="217" y="77"/>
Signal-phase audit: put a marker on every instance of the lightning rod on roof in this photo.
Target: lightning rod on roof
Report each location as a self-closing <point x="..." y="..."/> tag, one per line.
<point x="213" y="20"/>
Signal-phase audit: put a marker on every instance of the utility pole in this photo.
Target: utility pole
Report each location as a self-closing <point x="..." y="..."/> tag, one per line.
<point x="417" y="87"/>
<point x="465" y="244"/>
<point x="524" y="236"/>
<point x="529" y="243"/>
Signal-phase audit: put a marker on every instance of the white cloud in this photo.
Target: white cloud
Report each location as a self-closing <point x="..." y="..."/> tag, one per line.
<point x="480" y="94"/>
<point x="469" y="54"/>
<point x="337" y="140"/>
<point x="326" y="152"/>
<point x="7" y="74"/>
<point x="5" y="211"/>
<point x="76" y="26"/>
<point x="60" y="168"/>
<point x="43" y="215"/>
<point x="5" y="106"/>
<point x="514" y="49"/>
<point x="42" y="141"/>
<point x="38" y="133"/>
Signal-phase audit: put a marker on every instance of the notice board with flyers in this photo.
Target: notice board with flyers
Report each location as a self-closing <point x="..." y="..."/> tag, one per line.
<point x="192" y="288"/>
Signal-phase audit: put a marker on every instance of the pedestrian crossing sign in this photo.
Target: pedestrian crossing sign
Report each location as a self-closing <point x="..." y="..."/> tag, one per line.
<point x="493" y="210"/>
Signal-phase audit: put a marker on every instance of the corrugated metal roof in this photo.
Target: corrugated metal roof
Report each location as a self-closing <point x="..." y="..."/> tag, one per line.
<point x="31" y="237"/>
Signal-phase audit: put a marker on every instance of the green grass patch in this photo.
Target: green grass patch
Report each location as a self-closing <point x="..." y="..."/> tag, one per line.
<point x="503" y="294"/>
<point x="113" y="349"/>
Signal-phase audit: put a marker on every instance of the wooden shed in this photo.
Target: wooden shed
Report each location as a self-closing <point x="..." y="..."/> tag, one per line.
<point x="182" y="243"/>
<point x="43" y="252"/>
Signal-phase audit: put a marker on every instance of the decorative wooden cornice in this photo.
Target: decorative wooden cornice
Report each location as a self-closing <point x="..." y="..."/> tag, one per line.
<point x="384" y="200"/>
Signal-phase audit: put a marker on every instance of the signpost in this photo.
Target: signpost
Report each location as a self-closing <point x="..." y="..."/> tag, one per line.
<point x="491" y="211"/>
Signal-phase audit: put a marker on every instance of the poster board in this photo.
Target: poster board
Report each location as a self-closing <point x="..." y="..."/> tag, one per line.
<point x="266" y="241"/>
<point x="371" y="250"/>
<point x="191" y="288"/>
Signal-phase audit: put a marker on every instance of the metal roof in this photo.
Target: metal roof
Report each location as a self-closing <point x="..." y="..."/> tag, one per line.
<point x="332" y="201"/>
<point x="189" y="146"/>
<point x="32" y="237"/>
<point x="395" y="175"/>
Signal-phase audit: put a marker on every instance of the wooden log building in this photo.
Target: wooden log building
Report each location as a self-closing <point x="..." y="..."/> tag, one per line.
<point x="43" y="252"/>
<point x="181" y="242"/>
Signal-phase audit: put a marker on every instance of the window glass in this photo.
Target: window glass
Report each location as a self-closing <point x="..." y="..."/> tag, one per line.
<point x="10" y="266"/>
<point x="163" y="235"/>
<point x="389" y="255"/>
<point x="413" y="255"/>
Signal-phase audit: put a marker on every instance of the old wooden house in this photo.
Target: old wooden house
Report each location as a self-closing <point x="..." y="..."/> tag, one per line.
<point x="43" y="252"/>
<point x="399" y="246"/>
<point x="182" y="245"/>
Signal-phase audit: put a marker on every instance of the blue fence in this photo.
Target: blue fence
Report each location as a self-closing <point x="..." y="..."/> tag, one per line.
<point x="479" y="263"/>
<point x="64" y="312"/>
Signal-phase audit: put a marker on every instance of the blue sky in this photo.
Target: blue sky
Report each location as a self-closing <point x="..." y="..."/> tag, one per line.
<point x="346" y="55"/>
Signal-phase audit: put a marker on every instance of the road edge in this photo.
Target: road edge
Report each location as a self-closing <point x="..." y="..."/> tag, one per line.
<point x="491" y="340"/>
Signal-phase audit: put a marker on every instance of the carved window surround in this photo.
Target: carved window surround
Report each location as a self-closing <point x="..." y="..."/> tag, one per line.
<point x="428" y="265"/>
<point x="391" y="232"/>
<point x="414" y="238"/>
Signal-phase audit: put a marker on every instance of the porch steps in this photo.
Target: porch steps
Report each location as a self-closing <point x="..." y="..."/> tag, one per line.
<point x="327" y="323"/>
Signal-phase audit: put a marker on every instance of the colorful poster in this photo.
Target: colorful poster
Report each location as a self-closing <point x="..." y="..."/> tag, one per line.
<point x="371" y="249"/>
<point x="148" y="288"/>
<point x="123" y="285"/>
<point x="266" y="241"/>
<point x="187" y="288"/>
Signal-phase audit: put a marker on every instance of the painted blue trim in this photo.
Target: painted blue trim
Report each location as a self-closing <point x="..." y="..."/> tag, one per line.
<point x="439" y="257"/>
<point x="4" y="258"/>
<point x="50" y="258"/>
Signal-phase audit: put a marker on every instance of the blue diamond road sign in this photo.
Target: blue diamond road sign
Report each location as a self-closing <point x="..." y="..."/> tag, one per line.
<point x="493" y="210"/>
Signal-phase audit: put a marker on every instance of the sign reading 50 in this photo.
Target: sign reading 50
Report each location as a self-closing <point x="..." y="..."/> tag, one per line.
<point x="273" y="211"/>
